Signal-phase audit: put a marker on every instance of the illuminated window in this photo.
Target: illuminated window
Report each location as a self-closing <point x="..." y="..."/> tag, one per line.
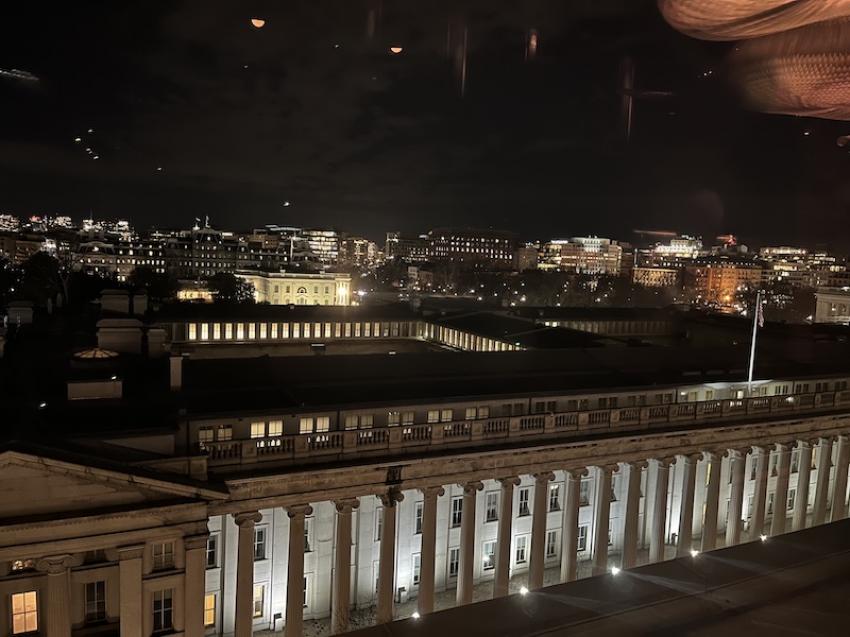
<point x="24" y="612"/>
<point x="521" y="554"/>
<point x="275" y="428"/>
<point x="317" y="330"/>
<point x="492" y="506"/>
<point x="552" y="544"/>
<point x="306" y="331"/>
<point x="445" y="415"/>
<point x="259" y="599"/>
<point x="240" y="331"/>
<point x="470" y="413"/>
<point x="284" y="330"/>
<point x="366" y="421"/>
<point x="323" y="424"/>
<point x="209" y="610"/>
<point x="296" y="330"/>
<point x="252" y="331"/>
<point x="367" y="329"/>
<point x="163" y="610"/>
<point x="417" y="568"/>
<point x="351" y="422"/>
<point x="554" y="497"/>
<point x="305" y="426"/>
<point x="264" y="330"/>
<point x="205" y="331"/>
<point x="258" y="430"/>
<point x="193" y="332"/>
<point x="274" y="330"/>
<point x="433" y="416"/>
<point x="228" y="331"/>
<point x="393" y="418"/>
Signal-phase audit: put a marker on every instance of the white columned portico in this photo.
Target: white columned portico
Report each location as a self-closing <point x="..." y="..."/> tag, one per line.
<point x="58" y="607"/>
<point x="714" y="461"/>
<point x="569" y="530"/>
<point x="632" y="513"/>
<point x="780" y="496"/>
<point x="501" y="579"/>
<point x="466" y="571"/>
<point x="386" y="567"/>
<point x="245" y="572"/>
<point x="686" y="510"/>
<point x="196" y="553"/>
<point x="762" y="459"/>
<point x="130" y="583"/>
<point x="804" y="472"/>
<point x="822" y="486"/>
<point x="659" y="509"/>
<point x="538" y="528"/>
<point x="738" y="465"/>
<point x="341" y="600"/>
<point x="425" y="602"/>
<point x="839" y="490"/>
<point x="601" y="518"/>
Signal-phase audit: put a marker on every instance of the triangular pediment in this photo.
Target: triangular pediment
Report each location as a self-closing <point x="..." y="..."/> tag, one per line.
<point x="32" y="485"/>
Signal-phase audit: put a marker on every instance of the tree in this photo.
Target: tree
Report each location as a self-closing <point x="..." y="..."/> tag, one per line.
<point x="41" y="282"/>
<point x="158" y="285"/>
<point x="229" y="288"/>
<point x="10" y="281"/>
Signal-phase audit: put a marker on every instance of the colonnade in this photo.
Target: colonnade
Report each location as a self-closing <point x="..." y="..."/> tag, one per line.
<point x="656" y="523"/>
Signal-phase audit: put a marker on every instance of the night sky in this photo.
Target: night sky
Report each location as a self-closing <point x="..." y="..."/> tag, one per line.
<point x="312" y="110"/>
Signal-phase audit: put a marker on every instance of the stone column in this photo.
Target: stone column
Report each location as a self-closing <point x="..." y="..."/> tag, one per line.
<point x="502" y="576"/>
<point x="538" y="528"/>
<point x="738" y="465"/>
<point x="130" y="583"/>
<point x="245" y="573"/>
<point x="341" y="599"/>
<point x="780" y="496"/>
<point x="684" y="542"/>
<point x="762" y="456"/>
<point x="602" y="518"/>
<point x="839" y="490"/>
<point x="822" y="486"/>
<point x="425" y="601"/>
<point x="386" y="569"/>
<point x="467" y="543"/>
<point x="804" y="474"/>
<point x="569" y="529"/>
<point x="58" y="606"/>
<point x="659" y="509"/>
<point x="712" y="498"/>
<point x="294" y="626"/>
<point x="195" y="584"/>
<point x="632" y="514"/>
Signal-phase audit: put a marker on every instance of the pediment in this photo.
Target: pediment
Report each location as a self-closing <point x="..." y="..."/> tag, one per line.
<point x="31" y="485"/>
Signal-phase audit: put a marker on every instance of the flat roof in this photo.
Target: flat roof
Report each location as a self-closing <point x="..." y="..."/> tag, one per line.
<point x="283" y="313"/>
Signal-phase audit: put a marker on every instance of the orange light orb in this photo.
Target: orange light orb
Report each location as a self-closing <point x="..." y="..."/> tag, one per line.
<point x="258" y="23"/>
<point x="395" y="50"/>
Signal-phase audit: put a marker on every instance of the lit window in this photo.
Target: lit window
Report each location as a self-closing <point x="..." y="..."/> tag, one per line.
<point x="258" y="430"/>
<point x="489" y="556"/>
<point x="259" y="599"/>
<point x="351" y="422"/>
<point x="393" y="418"/>
<point x="554" y="497"/>
<point x="163" y="610"/>
<point x="323" y="424"/>
<point x="95" y="601"/>
<point x="193" y="332"/>
<point x="24" y="612"/>
<point x="259" y="543"/>
<point x="471" y="412"/>
<point x="433" y="416"/>
<point x="552" y="544"/>
<point x="209" y="610"/>
<point x="163" y="555"/>
<point x="275" y="428"/>
<point x="446" y="415"/>
<point x="417" y="568"/>
<point x="366" y="421"/>
<point x="305" y="426"/>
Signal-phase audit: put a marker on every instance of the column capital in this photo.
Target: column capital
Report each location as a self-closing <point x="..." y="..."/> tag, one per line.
<point x="55" y="564"/>
<point x="299" y="510"/>
<point x="785" y="445"/>
<point x="433" y="492"/>
<point x="576" y="473"/>
<point x="636" y="464"/>
<point x="247" y="518"/>
<point x="690" y="458"/>
<point x="196" y="541"/>
<point x="843" y="439"/>
<point x="607" y="468"/>
<point x="713" y="454"/>
<point x="544" y="477"/>
<point x="738" y="452"/>
<point x="391" y="497"/>
<point x="509" y="481"/>
<point x="131" y="552"/>
<point x="347" y="505"/>
<point x="762" y="447"/>
<point x="665" y="461"/>
<point x="469" y="488"/>
<point x="823" y="439"/>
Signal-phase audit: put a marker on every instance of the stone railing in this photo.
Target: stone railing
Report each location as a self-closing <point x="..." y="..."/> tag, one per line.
<point x="402" y="439"/>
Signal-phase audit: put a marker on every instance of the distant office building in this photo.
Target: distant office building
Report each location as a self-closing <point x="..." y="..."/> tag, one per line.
<point x="9" y="223"/>
<point x="584" y="255"/>
<point x="832" y="305"/>
<point x="358" y="251"/>
<point x="129" y="255"/>
<point x="718" y="279"/>
<point x="471" y="246"/>
<point x="96" y="257"/>
<point x="324" y="244"/>
<point x="526" y="257"/>
<point x="287" y="288"/>
<point x="406" y="248"/>
<point x="19" y="247"/>
<point x="656" y="277"/>
<point x="201" y="252"/>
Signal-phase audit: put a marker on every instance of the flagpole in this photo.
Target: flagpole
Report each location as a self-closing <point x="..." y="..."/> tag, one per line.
<point x="753" y="343"/>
